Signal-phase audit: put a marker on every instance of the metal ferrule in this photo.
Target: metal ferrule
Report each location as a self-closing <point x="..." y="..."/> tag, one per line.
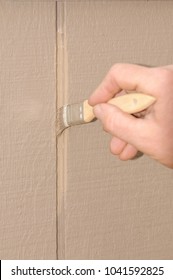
<point x="74" y="113"/>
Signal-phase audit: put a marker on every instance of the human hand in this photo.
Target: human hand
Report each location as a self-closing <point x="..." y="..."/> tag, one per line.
<point x="150" y="131"/>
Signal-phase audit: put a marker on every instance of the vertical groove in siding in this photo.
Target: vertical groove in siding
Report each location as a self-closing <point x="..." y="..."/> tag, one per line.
<point x="56" y="105"/>
<point x="113" y="209"/>
<point x="62" y="139"/>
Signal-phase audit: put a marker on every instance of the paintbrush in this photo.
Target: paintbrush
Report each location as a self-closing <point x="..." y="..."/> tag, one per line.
<point x="82" y="113"/>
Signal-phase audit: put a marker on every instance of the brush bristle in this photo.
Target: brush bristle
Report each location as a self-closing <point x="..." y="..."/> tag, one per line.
<point x="69" y="115"/>
<point x="62" y="119"/>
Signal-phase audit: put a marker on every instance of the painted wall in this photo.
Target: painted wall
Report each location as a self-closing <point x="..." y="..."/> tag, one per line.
<point x="27" y="130"/>
<point x="111" y="209"/>
<point x="104" y="208"/>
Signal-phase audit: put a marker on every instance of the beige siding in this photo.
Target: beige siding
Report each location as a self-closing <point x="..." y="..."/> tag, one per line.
<point x="27" y="134"/>
<point x="105" y="208"/>
<point x="110" y="209"/>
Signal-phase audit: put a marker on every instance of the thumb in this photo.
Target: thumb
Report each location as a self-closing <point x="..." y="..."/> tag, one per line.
<point x="119" y="123"/>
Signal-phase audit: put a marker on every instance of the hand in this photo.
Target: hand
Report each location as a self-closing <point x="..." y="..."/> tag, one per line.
<point x="152" y="131"/>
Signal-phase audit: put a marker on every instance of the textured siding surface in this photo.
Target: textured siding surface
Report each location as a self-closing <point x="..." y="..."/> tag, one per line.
<point x="111" y="209"/>
<point x="27" y="134"/>
<point x="105" y="208"/>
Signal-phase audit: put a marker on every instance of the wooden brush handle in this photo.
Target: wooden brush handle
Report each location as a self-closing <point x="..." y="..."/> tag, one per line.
<point x="130" y="103"/>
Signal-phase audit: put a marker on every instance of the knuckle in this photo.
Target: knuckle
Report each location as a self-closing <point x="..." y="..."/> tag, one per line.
<point x="109" y="124"/>
<point x="164" y="76"/>
<point x="105" y="129"/>
<point x="167" y="75"/>
<point x="116" y="67"/>
<point x="111" y="72"/>
<point x="105" y="125"/>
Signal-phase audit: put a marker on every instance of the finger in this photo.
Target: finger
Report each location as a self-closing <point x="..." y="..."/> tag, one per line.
<point x="141" y="114"/>
<point x="170" y="67"/>
<point x="129" y="152"/>
<point x="123" y="76"/>
<point x="117" y="145"/>
<point x="120" y="124"/>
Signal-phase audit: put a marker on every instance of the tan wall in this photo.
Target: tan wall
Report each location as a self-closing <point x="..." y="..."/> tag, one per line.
<point x="105" y="209"/>
<point x="112" y="209"/>
<point x="27" y="132"/>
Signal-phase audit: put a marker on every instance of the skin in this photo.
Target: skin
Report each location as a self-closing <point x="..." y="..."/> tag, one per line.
<point x="151" y="131"/>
